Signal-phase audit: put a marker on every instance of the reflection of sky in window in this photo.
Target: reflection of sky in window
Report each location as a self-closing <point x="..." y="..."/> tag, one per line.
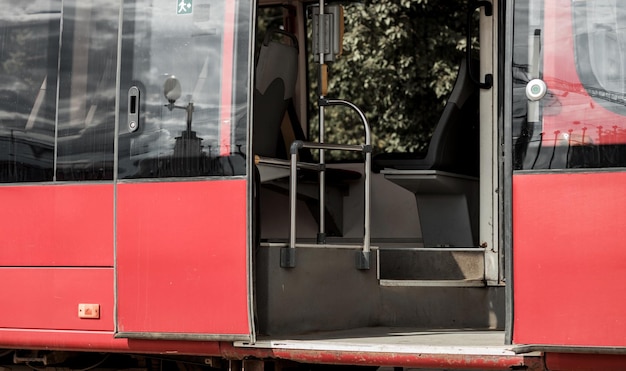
<point x="599" y="27"/>
<point x="28" y="11"/>
<point x="164" y="43"/>
<point x="187" y="47"/>
<point x="28" y="37"/>
<point x="25" y="34"/>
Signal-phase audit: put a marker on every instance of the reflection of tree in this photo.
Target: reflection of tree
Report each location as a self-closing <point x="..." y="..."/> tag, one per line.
<point x="29" y="43"/>
<point x="21" y="54"/>
<point x="15" y="56"/>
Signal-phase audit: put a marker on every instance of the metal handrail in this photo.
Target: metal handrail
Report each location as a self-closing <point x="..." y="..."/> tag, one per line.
<point x="363" y="261"/>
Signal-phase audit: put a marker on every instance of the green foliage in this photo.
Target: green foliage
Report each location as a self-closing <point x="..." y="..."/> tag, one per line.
<point x="268" y="18"/>
<point x="399" y="63"/>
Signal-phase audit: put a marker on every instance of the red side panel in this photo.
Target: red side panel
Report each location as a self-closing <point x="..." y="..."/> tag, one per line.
<point x="181" y="258"/>
<point x="56" y="225"/>
<point x="584" y="362"/>
<point x="48" y="298"/>
<point x="101" y="341"/>
<point x="569" y="251"/>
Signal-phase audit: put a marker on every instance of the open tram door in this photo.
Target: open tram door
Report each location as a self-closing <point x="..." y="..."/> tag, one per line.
<point x="183" y="180"/>
<point x="569" y="153"/>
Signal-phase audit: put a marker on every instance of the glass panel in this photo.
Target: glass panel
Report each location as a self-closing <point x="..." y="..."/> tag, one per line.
<point x="29" y="43"/>
<point x="86" y="117"/>
<point x="578" y="48"/>
<point x="201" y="50"/>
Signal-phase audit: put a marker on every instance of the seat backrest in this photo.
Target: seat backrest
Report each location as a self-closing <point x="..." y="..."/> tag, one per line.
<point x="275" y="81"/>
<point x="454" y="145"/>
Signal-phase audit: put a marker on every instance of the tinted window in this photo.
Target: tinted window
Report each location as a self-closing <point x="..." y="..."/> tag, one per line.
<point x="578" y="48"/>
<point x="200" y="129"/>
<point x="72" y="87"/>
<point x="86" y="114"/>
<point x="29" y="46"/>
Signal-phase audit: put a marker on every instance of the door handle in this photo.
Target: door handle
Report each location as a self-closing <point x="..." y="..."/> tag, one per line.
<point x="468" y="47"/>
<point x="134" y="100"/>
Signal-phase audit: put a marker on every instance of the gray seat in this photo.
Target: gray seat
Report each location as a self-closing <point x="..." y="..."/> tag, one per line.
<point x="454" y="144"/>
<point x="445" y="178"/>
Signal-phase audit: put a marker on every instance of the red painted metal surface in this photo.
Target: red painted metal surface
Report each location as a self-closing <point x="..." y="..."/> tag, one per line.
<point x="569" y="259"/>
<point x="48" y="298"/>
<point x="585" y="362"/>
<point x="56" y="225"/>
<point x="98" y="341"/>
<point x="181" y="257"/>
<point x="449" y="361"/>
<point x="104" y="341"/>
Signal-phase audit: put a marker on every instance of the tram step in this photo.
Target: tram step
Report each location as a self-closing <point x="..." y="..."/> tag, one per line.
<point x="432" y="283"/>
<point x="325" y="292"/>
<point x="431" y="266"/>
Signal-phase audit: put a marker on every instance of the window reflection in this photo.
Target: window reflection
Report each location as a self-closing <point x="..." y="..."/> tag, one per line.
<point x="580" y="122"/>
<point x="183" y="136"/>
<point x="58" y="90"/>
<point x="86" y="115"/>
<point x="29" y="39"/>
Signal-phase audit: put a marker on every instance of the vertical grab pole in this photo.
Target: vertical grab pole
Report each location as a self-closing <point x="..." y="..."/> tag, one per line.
<point x="321" y="236"/>
<point x="293" y="177"/>
<point x="363" y="257"/>
<point x="363" y="260"/>
<point x="288" y="254"/>
<point x="368" y="207"/>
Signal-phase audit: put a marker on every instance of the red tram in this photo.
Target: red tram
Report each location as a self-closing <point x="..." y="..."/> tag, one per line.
<point x="162" y="209"/>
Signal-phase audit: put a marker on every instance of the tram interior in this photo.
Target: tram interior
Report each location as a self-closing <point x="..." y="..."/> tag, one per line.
<point x="426" y="266"/>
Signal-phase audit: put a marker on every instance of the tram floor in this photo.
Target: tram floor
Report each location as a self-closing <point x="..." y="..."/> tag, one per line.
<point x="394" y="339"/>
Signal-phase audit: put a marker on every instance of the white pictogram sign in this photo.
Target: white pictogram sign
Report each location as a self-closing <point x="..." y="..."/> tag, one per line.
<point x="184" y="7"/>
